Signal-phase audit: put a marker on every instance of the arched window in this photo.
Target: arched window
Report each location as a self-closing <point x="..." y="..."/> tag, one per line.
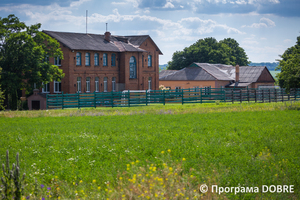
<point x="105" y="59"/>
<point x="78" y="58"/>
<point x="87" y="59"/>
<point x="132" y="67"/>
<point x="96" y="59"/>
<point x="149" y="61"/>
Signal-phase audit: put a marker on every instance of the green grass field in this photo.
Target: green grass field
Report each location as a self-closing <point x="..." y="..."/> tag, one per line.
<point x="155" y="152"/>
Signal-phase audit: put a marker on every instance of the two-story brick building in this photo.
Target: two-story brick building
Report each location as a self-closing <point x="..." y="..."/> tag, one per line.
<point x="104" y="63"/>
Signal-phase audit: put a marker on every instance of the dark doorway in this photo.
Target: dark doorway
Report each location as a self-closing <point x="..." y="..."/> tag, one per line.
<point x="35" y="105"/>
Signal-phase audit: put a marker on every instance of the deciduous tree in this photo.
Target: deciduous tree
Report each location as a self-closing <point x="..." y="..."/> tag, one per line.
<point x="23" y="53"/>
<point x="289" y="77"/>
<point x="209" y="50"/>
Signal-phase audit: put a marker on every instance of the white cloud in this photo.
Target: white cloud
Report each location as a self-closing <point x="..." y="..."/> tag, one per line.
<point x="264" y="23"/>
<point x="78" y="3"/>
<point x="169" y="5"/>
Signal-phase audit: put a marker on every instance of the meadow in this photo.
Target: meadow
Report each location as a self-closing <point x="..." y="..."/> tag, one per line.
<point x="155" y="152"/>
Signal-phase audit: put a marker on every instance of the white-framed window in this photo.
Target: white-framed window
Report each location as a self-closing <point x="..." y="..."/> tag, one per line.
<point x="87" y="59"/>
<point x="57" y="86"/>
<point x="177" y="88"/>
<point x="78" y="58"/>
<point x="113" y="59"/>
<point x="113" y="83"/>
<point x="97" y="84"/>
<point x="105" y="84"/>
<point x="78" y="84"/>
<point x="132" y="67"/>
<point x="88" y="84"/>
<point x="34" y="85"/>
<point x="46" y="88"/>
<point x="196" y="90"/>
<point x="105" y="59"/>
<point x="57" y="61"/>
<point x="150" y="83"/>
<point x="96" y="59"/>
<point x="149" y="61"/>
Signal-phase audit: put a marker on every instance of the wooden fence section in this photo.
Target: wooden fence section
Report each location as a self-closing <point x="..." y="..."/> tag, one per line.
<point x="182" y="96"/>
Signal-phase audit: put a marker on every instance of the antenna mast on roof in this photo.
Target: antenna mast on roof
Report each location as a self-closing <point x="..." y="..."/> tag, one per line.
<point x="106" y="27"/>
<point x="86" y="20"/>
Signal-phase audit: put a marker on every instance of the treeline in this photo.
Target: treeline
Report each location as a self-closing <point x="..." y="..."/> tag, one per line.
<point x="269" y="65"/>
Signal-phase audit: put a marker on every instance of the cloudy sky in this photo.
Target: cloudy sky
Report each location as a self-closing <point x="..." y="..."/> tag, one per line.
<point x="264" y="28"/>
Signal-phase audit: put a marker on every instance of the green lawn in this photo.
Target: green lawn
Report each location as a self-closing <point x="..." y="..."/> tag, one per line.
<point x="224" y="145"/>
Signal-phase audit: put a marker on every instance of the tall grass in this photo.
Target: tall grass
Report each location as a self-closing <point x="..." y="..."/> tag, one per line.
<point x="156" y="152"/>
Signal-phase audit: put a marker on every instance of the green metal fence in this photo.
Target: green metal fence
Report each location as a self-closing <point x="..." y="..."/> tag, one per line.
<point x="181" y="96"/>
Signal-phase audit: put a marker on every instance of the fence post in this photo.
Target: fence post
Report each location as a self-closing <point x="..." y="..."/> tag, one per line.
<point x="248" y="94"/>
<point x="241" y="96"/>
<point x="289" y="95"/>
<point x="146" y="98"/>
<point x="255" y="89"/>
<point x="128" y="98"/>
<point x="95" y="99"/>
<point x="182" y="96"/>
<point x="62" y="100"/>
<point x="201" y="95"/>
<point x="112" y="99"/>
<point x="263" y="95"/>
<point x="78" y="100"/>
<point x="164" y="96"/>
<point x="232" y="96"/>
<point x="269" y="95"/>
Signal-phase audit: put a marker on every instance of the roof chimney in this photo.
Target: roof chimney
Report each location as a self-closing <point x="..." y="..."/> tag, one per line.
<point x="237" y="73"/>
<point x="107" y="36"/>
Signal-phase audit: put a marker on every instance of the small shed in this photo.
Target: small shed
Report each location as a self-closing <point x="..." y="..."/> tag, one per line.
<point x="37" y="101"/>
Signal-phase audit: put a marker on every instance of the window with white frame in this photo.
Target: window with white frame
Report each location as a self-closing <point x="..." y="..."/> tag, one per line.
<point x="96" y="59"/>
<point x="149" y="83"/>
<point x="46" y="88"/>
<point x="132" y="67"/>
<point x="105" y="84"/>
<point x="78" y="84"/>
<point x="88" y="84"/>
<point x="78" y="58"/>
<point x="57" y="86"/>
<point x="97" y="84"/>
<point x="149" y="61"/>
<point x="113" y="83"/>
<point x="113" y="59"/>
<point x="105" y="59"/>
<point x="57" y="61"/>
<point x="87" y="59"/>
<point x="196" y="90"/>
<point x="177" y="89"/>
<point x="47" y="58"/>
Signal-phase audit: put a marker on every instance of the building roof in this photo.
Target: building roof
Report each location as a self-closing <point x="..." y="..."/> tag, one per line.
<point x="96" y="42"/>
<point x="166" y="73"/>
<point x="206" y="71"/>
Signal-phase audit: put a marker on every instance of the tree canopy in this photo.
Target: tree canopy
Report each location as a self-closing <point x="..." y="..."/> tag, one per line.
<point x="289" y="77"/>
<point x="23" y="53"/>
<point x="209" y="50"/>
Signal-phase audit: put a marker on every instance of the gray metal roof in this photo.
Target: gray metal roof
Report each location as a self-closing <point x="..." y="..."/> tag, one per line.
<point x="95" y="42"/>
<point x="206" y="71"/>
<point x="166" y="73"/>
<point x="250" y="74"/>
<point x="219" y="71"/>
<point x="189" y="73"/>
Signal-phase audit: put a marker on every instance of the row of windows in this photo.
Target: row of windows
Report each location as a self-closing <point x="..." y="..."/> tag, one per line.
<point x="57" y="85"/>
<point x="105" y="59"/>
<point x="88" y="84"/>
<point x="96" y="59"/>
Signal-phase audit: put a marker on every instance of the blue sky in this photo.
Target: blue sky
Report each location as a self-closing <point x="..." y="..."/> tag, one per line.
<point x="264" y="28"/>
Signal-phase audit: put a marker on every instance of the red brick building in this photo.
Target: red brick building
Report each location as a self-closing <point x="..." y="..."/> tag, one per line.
<point x="104" y="63"/>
